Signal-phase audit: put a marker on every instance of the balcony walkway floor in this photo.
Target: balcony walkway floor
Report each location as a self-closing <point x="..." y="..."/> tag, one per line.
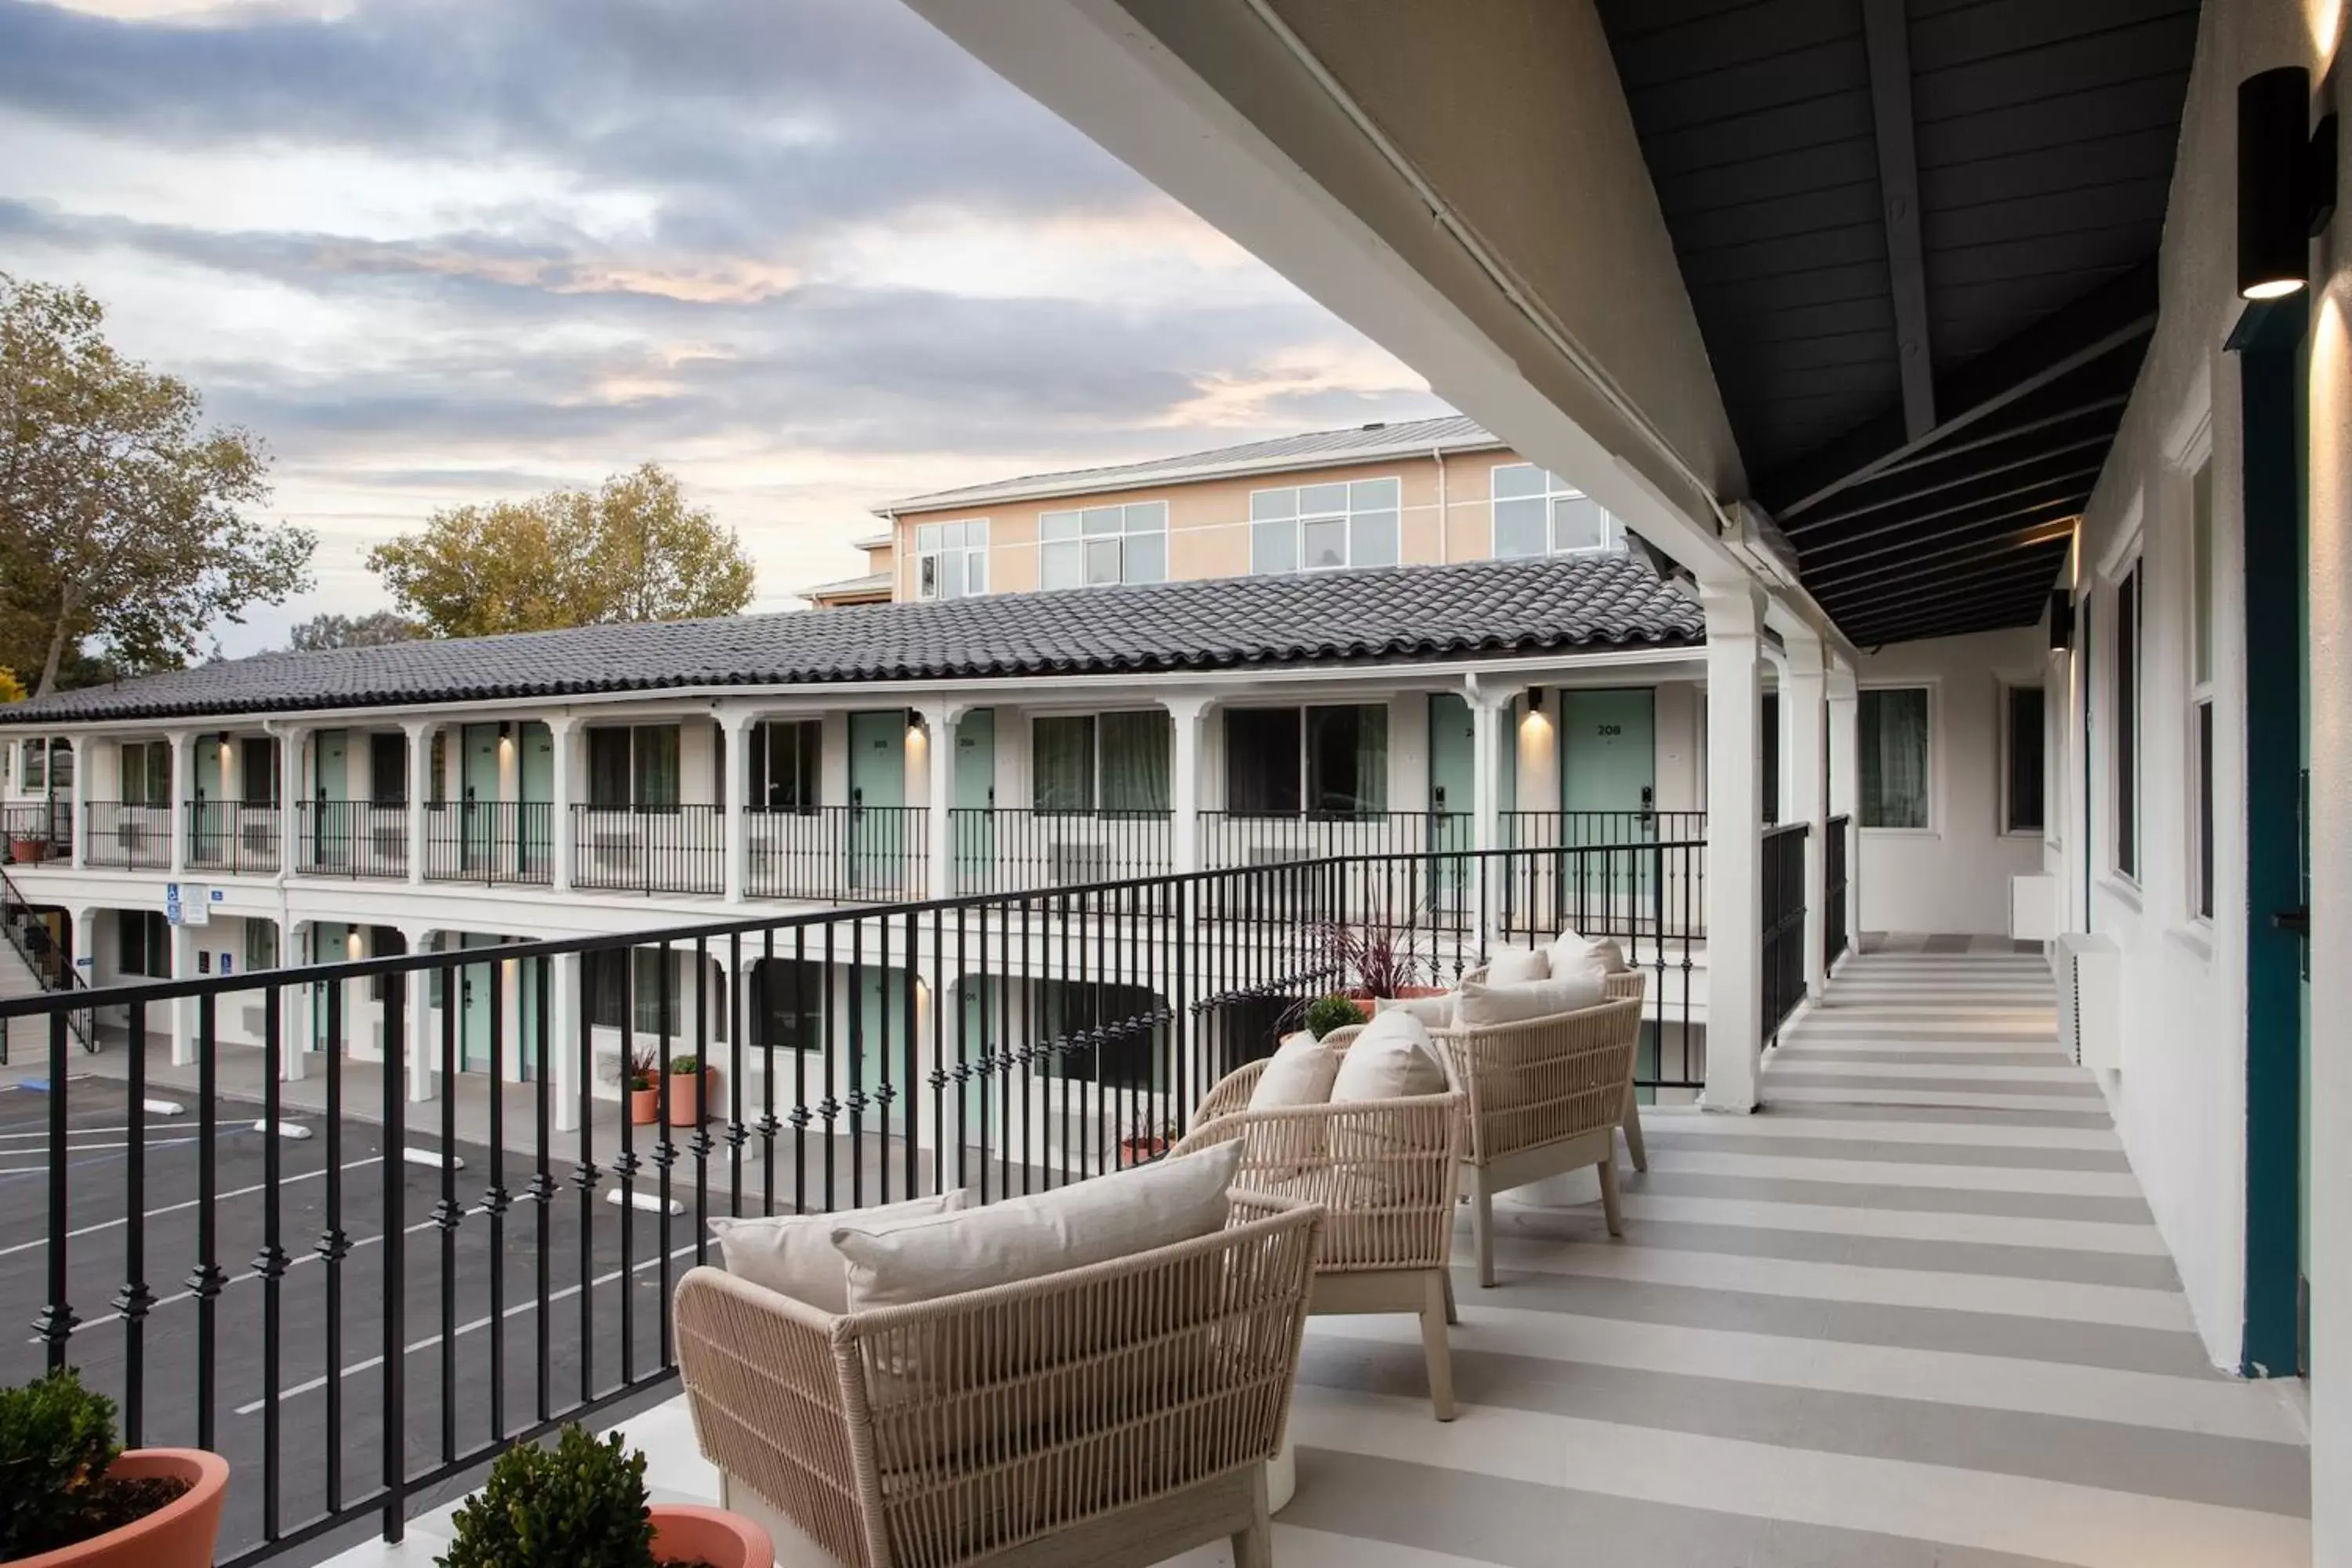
<point x="1916" y="1313"/>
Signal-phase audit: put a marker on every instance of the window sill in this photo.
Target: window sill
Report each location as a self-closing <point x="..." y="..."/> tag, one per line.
<point x="2196" y="939"/>
<point x="2122" y="889"/>
<point x="1902" y="833"/>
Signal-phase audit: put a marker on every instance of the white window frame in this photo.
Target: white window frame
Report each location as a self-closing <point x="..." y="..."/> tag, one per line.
<point x="1063" y="530"/>
<point x="963" y="565"/>
<point x="2128" y="569"/>
<point x="2199" y="703"/>
<point x="1555" y="488"/>
<point x="1933" y="826"/>
<point x="1299" y="517"/>
<point x="2009" y="685"/>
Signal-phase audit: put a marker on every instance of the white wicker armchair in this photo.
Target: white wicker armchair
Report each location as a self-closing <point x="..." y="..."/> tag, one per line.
<point x="1386" y="1173"/>
<point x="1546" y="1097"/>
<point x="1631" y="984"/>
<point x="1107" y="1415"/>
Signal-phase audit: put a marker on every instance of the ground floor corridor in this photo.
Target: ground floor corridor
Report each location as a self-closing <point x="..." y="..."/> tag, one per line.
<point x="1915" y="1313"/>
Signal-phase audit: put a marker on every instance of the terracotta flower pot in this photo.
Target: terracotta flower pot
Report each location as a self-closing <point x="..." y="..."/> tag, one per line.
<point x="1139" y="1151"/>
<point x="685" y="1100"/>
<point x="180" y="1534"/>
<point x="28" y="851"/>
<point x="1408" y="992"/>
<point x="683" y="1533"/>
<point x="644" y="1106"/>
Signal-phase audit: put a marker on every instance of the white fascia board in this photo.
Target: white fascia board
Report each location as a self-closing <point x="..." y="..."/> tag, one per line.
<point x="1097" y="67"/>
<point x="835" y="695"/>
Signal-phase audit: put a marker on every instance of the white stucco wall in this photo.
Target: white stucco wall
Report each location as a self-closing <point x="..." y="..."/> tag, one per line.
<point x="1954" y="875"/>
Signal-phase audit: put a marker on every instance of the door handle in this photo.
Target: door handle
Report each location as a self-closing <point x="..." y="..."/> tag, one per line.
<point x="2296" y="919"/>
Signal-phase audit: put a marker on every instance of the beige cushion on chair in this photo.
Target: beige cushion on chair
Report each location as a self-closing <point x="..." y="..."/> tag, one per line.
<point x="1518" y="966"/>
<point x="1301" y="1072"/>
<point x="1432" y="1011"/>
<point x="1391" y="1059"/>
<point x="794" y="1255"/>
<point x="1095" y="1221"/>
<point x="1485" y="1007"/>
<point x="1573" y="954"/>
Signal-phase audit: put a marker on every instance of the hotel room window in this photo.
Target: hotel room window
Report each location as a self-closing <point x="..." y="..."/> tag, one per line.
<point x="1325" y="528"/>
<point x="1098" y="545"/>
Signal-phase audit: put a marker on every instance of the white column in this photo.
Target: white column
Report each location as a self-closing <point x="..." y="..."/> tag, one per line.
<point x="76" y="828"/>
<point x="84" y="945"/>
<point x="1188" y="716"/>
<point x="735" y="789"/>
<point x="1844" y="710"/>
<point x="422" y="1036"/>
<point x="1804" y="788"/>
<point x="299" y="1023"/>
<point x="420" y="791"/>
<point x="183" y="794"/>
<point x="1735" y="848"/>
<point x="1490" y="714"/>
<point x="564" y="734"/>
<point x="565" y="1067"/>
<point x="184" y="1011"/>
<point x="940" y="722"/>
<point x="291" y="797"/>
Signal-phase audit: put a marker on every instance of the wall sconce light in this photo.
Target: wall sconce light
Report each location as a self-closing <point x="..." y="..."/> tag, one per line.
<point x="2062" y="620"/>
<point x="916" y="730"/>
<point x="1535" y="698"/>
<point x="2286" y="182"/>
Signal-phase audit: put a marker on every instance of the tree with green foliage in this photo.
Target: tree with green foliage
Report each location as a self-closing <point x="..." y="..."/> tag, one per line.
<point x="122" y="518"/>
<point x="378" y="628"/>
<point x="10" y="688"/>
<point x="632" y="549"/>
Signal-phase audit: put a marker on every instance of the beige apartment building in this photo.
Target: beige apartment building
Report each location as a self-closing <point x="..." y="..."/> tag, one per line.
<point x="1421" y="492"/>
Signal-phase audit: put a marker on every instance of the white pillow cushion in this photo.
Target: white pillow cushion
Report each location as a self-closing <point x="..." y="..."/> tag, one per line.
<point x="1574" y="954"/>
<point x="794" y="1255"/>
<point x="1485" y="1007"/>
<point x="1432" y="1012"/>
<point x="1392" y="1059"/>
<point x="1298" y="1073"/>
<point x="1094" y="1221"/>
<point x="1518" y="966"/>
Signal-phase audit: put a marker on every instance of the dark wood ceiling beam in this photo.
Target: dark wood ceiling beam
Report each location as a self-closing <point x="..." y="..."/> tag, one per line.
<point x="1886" y="36"/>
<point x="2026" y="612"/>
<point x="1999" y="538"/>
<point x="2115" y="317"/>
<point x="2058" y="443"/>
<point x="1867" y="600"/>
<point x="2065" y="478"/>
<point x="1993" y="516"/>
<point x="2021" y="592"/>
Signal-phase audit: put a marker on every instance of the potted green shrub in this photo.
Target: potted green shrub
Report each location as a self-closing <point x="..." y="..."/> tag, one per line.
<point x="1381" y="959"/>
<point x="1326" y="1013"/>
<point x="581" y="1504"/>
<point x="70" y="1497"/>
<point x="645" y="1087"/>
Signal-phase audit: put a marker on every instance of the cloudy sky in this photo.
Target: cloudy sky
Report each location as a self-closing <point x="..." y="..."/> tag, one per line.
<point x="805" y="252"/>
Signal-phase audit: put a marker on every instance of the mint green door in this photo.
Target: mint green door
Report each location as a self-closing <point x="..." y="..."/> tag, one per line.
<point x="474" y="1018"/>
<point x="477" y="783"/>
<point x="1608" y="793"/>
<point x="973" y="822"/>
<point x="208" y="827"/>
<point x="1452" y="789"/>
<point x="330" y="943"/>
<point x="878" y="841"/>
<point x="535" y="785"/>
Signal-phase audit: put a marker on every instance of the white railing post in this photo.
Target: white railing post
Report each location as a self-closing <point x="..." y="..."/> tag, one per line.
<point x="1844" y="701"/>
<point x="182" y="795"/>
<point x="1803" y="787"/>
<point x="1734" y="846"/>
<point x="735" y="790"/>
<point x="940" y="722"/>
<point x="562" y="843"/>
<point x="420" y="792"/>
<point x="290" y="798"/>
<point x="418" y="1047"/>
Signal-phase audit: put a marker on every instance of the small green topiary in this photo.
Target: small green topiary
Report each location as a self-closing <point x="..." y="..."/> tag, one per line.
<point x="57" y="1439"/>
<point x="1326" y="1013"/>
<point x="683" y="1067"/>
<point x="581" y="1504"/>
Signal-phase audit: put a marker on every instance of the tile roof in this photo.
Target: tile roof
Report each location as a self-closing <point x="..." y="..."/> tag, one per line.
<point x="870" y="583"/>
<point x="1364" y="617"/>
<point x="1319" y="449"/>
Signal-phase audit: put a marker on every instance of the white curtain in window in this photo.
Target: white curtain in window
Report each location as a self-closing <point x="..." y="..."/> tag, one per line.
<point x="1135" y="748"/>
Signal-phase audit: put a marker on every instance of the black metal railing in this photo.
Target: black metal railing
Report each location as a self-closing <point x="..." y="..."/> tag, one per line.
<point x="351" y="838"/>
<point x="1001" y="1043"/>
<point x="1836" y="845"/>
<point x="1664" y="890"/>
<point x="1783" y="924"/>
<point x="1023" y="850"/>
<point x="650" y="849"/>
<point x="25" y="927"/>
<point x="1236" y="838"/>
<point x="840" y="853"/>
<point x="490" y="841"/>
<point x="128" y="834"/>
<point x="34" y="831"/>
<point x="233" y="837"/>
